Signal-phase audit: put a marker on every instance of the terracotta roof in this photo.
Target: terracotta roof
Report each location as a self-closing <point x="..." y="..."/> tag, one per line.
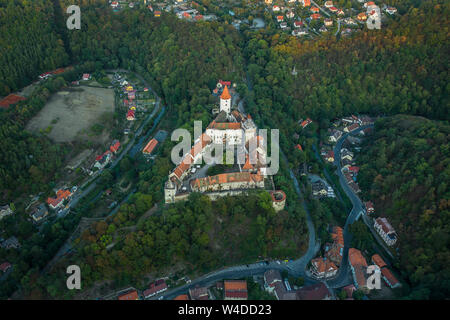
<point x="227" y="178"/>
<point x="133" y="295"/>
<point x="60" y="196"/>
<point x="225" y="125"/>
<point x="338" y="235"/>
<point x="322" y="265"/>
<point x="355" y="257"/>
<point x="225" y="94"/>
<point x="235" y="285"/>
<point x="236" y="294"/>
<point x="389" y="276"/>
<point x="378" y="261"/>
<point x="155" y="287"/>
<point x="150" y="146"/>
<point x="182" y="297"/>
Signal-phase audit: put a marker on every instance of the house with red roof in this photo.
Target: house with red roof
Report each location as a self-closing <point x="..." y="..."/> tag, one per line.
<point x="132" y="295"/>
<point x="235" y="289"/>
<point x="131" y="115"/>
<point x="86" y="77"/>
<point x="57" y="202"/>
<point x="115" y="146"/>
<point x="369" y="207"/>
<point x="299" y="147"/>
<point x="389" y="278"/>
<point x="151" y="145"/>
<point x="155" y="288"/>
<point x="385" y="230"/>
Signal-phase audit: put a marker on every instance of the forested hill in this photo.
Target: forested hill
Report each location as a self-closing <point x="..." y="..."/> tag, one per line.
<point x="402" y="68"/>
<point x="406" y="171"/>
<point x="29" y="43"/>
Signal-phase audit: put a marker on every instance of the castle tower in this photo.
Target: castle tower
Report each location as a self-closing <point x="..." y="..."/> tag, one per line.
<point x="225" y="101"/>
<point x="169" y="192"/>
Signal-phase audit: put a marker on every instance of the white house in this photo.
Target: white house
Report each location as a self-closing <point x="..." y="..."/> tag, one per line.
<point x="385" y="230"/>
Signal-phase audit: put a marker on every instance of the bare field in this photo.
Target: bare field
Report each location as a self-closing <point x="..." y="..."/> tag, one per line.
<point x="72" y="112"/>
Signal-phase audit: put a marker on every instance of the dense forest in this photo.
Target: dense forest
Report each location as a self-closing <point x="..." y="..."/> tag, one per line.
<point x="199" y="236"/>
<point x="406" y="170"/>
<point x="24" y="53"/>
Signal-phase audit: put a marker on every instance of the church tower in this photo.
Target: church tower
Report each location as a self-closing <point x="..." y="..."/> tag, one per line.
<point x="225" y="101"/>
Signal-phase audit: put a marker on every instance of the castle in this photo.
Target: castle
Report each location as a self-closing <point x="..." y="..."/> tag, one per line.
<point x="230" y="128"/>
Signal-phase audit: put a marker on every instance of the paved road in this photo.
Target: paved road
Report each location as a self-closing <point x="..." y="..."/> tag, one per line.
<point x="344" y="270"/>
<point x="320" y="8"/>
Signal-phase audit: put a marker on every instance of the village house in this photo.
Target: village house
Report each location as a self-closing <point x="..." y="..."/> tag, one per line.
<point x="328" y="4"/>
<point x="280" y="18"/>
<point x="329" y="156"/>
<point x="299" y="32"/>
<point x="199" y="293"/>
<point x="306" y="3"/>
<point x="11" y="243"/>
<point x="86" y="77"/>
<point x="328" y="22"/>
<point x="334" y="251"/>
<point x="235" y="290"/>
<point x="39" y="212"/>
<point x="333" y="9"/>
<point x="271" y="277"/>
<point x="358" y="266"/>
<point x="102" y="161"/>
<point x="115" y="145"/>
<point x="57" y="202"/>
<point x="290" y="15"/>
<point x="315" y="16"/>
<point x="155" y="288"/>
<point x="323" y="268"/>
<point x="5" y="211"/>
<point x="391" y="10"/>
<point x="369" y="207"/>
<point x="132" y="295"/>
<point x="298" y="24"/>
<point x="352" y="127"/>
<point x="385" y="230"/>
<point x="361" y="16"/>
<point x="283" y="25"/>
<point x="319" y="189"/>
<point x="323" y="29"/>
<point x="346" y="154"/>
<point x="151" y="145"/>
<point x="276" y="9"/>
<point x="378" y="261"/>
<point x="389" y="278"/>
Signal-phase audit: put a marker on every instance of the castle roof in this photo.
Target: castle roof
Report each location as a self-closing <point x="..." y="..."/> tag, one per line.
<point x="225" y="94"/>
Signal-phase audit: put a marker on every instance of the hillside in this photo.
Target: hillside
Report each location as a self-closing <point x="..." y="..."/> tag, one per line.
<point x="405" y="170"/>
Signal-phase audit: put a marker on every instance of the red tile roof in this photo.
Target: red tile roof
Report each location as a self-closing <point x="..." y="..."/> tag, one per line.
<point x="225" y="94"/>
<point x="389" y="276"/>
<point x="5" y="266"/>
<point x="133" y="295"/>
<point x="182" y="297"/>
<point x="355" y="257"/>
<point x="235" y="285"/>
<point x="376" y="258"/>
<point x="150" y="146"/>
<point x="60" y="196"/>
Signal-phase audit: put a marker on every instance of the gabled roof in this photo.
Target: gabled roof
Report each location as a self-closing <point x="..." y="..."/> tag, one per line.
<point x="356" y="258"/>
<point x="133" y="295"/>
<point x="389" y="276"/>
<point x="376" y="258"/>
<point x="10" y="99"/>
<point x="150" y="146"/>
